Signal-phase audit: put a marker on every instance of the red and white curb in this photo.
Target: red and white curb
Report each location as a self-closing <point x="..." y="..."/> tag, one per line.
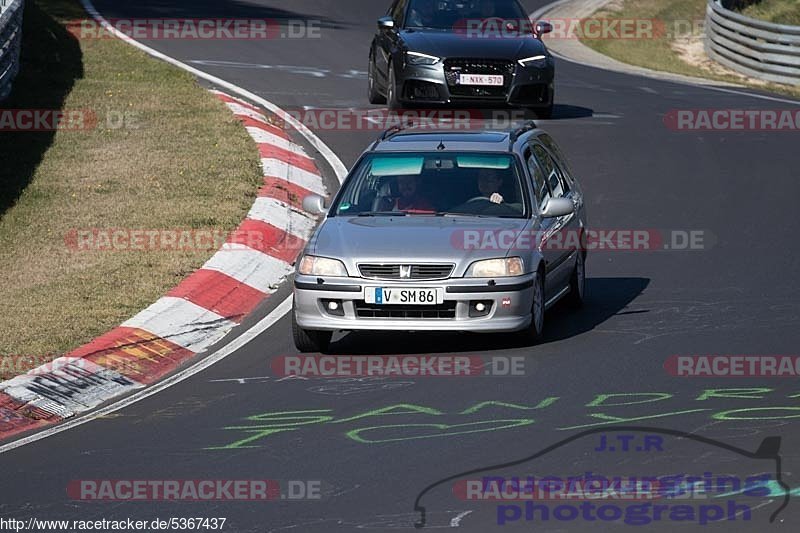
<point x="197" y="313"/>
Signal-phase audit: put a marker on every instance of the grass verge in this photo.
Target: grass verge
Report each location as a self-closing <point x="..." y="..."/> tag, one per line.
<point x="164" y="154"/>
<point x="777" y="11"/>
<point x="681" y="51"/>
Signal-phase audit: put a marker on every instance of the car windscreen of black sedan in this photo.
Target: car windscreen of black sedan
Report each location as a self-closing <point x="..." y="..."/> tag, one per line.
<point x="458" y="52"/>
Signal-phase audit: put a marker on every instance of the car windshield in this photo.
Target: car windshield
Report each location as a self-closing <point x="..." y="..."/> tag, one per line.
<point x="452" y="14"/>
<point x="434" y="184"/>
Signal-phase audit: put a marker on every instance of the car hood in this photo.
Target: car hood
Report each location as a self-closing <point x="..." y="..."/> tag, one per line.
<point x="411" y="238"/>
<point x="448" y="44"/>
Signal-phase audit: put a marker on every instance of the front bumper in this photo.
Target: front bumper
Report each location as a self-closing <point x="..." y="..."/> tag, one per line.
<point x="509" y="304"/>
<point x="434" y="84"/>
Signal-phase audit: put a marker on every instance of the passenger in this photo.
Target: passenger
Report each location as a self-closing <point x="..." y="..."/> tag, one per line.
<point x="410" y="198"/>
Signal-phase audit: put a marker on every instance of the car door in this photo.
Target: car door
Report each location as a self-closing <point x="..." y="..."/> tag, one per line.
<point x="560" y="235"/>
<point x="574" y="187"/>
<point x="541" y="193"/>
<point x="387" y="41"/>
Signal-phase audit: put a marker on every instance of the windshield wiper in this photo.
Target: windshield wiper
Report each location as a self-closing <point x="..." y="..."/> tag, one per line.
<point x="382" y="214"/>
<point x="451" y="214"/>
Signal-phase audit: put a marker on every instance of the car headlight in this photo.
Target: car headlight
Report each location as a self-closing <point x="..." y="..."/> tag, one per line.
<point x="496" y="268"/>
<point x="533" y="61"/>
<point x="312" y="265"/>
<point x="418" y="58"/>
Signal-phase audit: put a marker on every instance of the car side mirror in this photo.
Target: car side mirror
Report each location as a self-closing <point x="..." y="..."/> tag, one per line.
<point x="314" y="204"/>
<point x="385" y="23"/>
<point x="541" y="28"/>
<point x="558" y="207"/>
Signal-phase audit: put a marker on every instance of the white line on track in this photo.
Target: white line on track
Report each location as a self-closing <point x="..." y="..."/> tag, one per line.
<point x="456" y="521"/>
<point x="265" y="323"/>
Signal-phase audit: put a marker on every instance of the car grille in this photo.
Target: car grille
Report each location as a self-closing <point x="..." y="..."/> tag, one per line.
<point x="417" y="272"/>
<point x="441" y="311"/>
<point x="478" y="66"/>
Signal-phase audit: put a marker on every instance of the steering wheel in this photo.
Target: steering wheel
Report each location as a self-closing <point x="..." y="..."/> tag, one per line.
<point x="477" y="198"/>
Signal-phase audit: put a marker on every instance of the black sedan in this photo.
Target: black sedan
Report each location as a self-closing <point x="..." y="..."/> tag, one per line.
<point x="460" y="52"/>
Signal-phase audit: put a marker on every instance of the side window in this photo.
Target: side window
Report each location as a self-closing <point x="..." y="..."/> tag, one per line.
<point x="541" y="190"/>
<point x="398" y="12"/>
<point x="552" y="174"/>
<point x="561" y="160"/>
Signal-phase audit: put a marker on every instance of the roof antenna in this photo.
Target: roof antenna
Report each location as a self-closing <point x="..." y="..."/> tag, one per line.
<point x="441" y="146"/>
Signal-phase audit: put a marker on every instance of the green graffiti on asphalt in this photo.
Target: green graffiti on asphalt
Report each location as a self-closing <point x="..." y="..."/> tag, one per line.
<point x="407" y="422"/>
<point x="438" y="430"/>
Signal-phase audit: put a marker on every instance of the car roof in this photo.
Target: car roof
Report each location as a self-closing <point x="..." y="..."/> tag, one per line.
<point x="431" y="140"/>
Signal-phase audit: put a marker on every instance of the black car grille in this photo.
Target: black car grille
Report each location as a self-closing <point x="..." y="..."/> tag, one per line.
<point x="452" y="67"/>
<point x="394" y="271"/>
<point x="447" y="310"/>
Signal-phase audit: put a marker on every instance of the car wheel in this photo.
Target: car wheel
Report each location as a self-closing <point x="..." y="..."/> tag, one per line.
<point x="533" y="334"/>
<point x="374" y="96"/>
<point x="577" y="283"/>
<point x="306" y="340"/>
<point x="391" y="91"/>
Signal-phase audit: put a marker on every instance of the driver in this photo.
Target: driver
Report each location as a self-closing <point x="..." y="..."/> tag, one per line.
<point x="489" y="183"/>
<point x="421" y="14"/>
<point x="486" y="8"/>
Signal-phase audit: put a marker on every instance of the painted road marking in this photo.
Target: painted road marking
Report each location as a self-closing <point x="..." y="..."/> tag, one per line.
<point x="71" y="385"/>
<point x="282" y="309"/>
<point x="305" y="179"/>
<point x="282" y="215"/>
<point x="249" y="266"/>
<point x="261" y="135"/>
<point x="220" y="293"/>
<point x="182" y="322"/>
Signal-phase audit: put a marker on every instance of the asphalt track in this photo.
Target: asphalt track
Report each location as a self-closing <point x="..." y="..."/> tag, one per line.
<point x="736" y="296"/>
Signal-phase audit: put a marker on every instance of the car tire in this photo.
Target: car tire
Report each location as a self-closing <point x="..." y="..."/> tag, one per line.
<point x="306" y="340"/>
<point x="391" y="91"/>
<point x="372" y="92"/>
<point x="535" y="331"/>
<point x="577" y="283"/>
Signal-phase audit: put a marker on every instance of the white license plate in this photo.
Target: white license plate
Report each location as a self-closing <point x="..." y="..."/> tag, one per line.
<point x="403" y="296"/>
<point x="480" y="79"/>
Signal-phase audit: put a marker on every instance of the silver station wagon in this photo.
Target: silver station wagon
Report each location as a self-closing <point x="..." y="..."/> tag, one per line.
<point x="478" y="231"/>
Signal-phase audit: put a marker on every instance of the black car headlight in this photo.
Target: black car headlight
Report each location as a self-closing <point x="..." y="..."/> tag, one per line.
<point x="539" y="61"/>
<point x="418" y="58"/>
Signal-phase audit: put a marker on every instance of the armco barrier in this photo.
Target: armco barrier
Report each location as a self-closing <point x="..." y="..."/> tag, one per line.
<point x="759" y="49"/>
<point x="10" y="42"/>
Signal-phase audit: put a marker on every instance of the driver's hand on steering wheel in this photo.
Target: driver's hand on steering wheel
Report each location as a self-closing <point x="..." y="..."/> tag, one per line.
<point x="496" y="198"/>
